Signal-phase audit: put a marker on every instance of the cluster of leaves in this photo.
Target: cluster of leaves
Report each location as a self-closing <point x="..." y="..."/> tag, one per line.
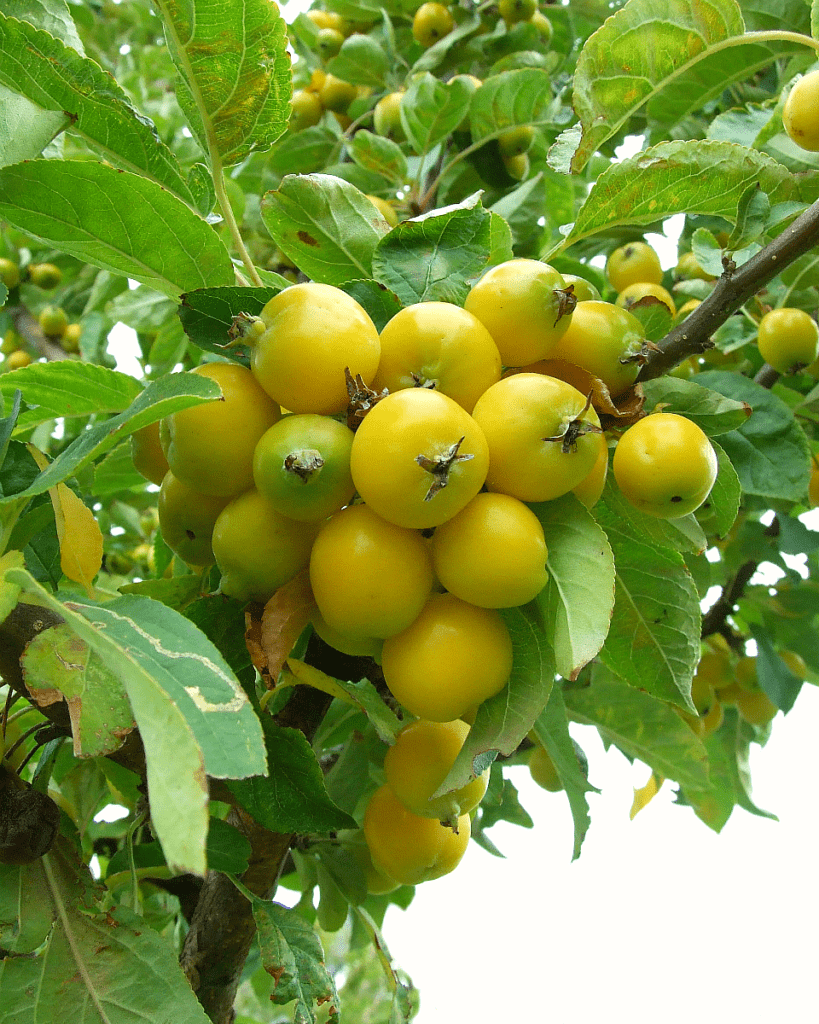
<point x="119" y="122"/>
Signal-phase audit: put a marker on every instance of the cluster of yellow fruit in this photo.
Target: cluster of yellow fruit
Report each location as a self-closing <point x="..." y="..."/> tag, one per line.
<point x="445" y="453"/>
<point x="53" y="320"/>
<point x="722" y="679"/>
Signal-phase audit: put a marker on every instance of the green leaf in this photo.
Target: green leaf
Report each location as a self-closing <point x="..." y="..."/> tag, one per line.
<point x="68" y="388"/>
<point x="712" y="412"/>
<point x="578" y="599"/>
<point x="769" y="452"/>
<point x="292" y="796"/>
<point x="25" y="130"/>
<point x="292" y="955"/>
<point x="234" y="72"/>
<point x="53" y="16"/>
<point x="719" y="510"/>
<point x="435" y="256"/>
<point x="552" y="730"/>
<point x="207" y="316"/>
<point x="774" y="676"/>
<point x="360" y="61"/>
<point x="228" y="849"/>
<point x="184" y="699"/>
<point x="503" y="720"/>
<point x="118" y="221"/>
<point x="521" y="97"/>
<point x="361" y="695"/>
<point x="326" y="226"/>
<point x="57" y="79"/>
<point x="375" y="153"/>
<point x="431" y="111"/>
<point x="305" y="151"/>
<point x="753" y="215"/>
<point x="653" y="642"/>
<point x="115" y="473"/>
<point x="58" y="665"/>
<point x="7" y="423"/>
<point x="380" y="303"/>
<point x="179" y="660"/>
<point x="71" y="976"/>
<point x="693" y="177"/>
<point x="673" y="55"/>
<point x="160" y="398"/>
<point x="640" y="725"/>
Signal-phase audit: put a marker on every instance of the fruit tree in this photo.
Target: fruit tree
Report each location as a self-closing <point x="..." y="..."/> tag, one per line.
<point x="297" y="591"/>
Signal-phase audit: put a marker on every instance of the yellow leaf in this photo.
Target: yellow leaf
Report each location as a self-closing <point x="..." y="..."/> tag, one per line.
<point x="644" y="796"/>
<point x="77" y="531"/>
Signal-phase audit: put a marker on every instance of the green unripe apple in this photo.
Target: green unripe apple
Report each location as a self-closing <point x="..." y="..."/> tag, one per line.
<point x="513" y="11"/>
<point x="329" y="43"/>
<point x="516" y="141"/>
<point x="53" y="321"/>
<point x="387" y="117"/>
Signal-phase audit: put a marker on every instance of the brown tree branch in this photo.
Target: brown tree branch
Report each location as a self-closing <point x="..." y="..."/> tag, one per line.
<point x="732" y="291"/>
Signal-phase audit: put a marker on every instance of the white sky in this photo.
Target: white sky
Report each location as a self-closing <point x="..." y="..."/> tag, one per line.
<point x="660" y="919"/>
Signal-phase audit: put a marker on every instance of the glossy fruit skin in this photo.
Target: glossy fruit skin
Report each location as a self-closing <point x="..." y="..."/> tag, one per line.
<point x="518" y="416"/>
<point x="387" y="117"/>
<point x="53" y="321"/>
<point x="210" y="447"/>
<point x="44" y="275"/>
<point x="665" y="465"/>
<point x="313" y="332"/>
<point x="639" y="290"/>
<point x="400" y="429"/>
<point x="788" y="339"/>
<point x="386" y="209"/>
<point x="432" y="21"/>
<point x="370" y="578"/>
<point x="543" y="771"/>
<point x="438" y="344"/>
<point x="452" y="657"/>
<point x="407" y="847"/>
<point x="336" y="94"/>
<point x="636" y="261"/>
<point x="687" y="308"/>
<point x="257" y="549"/>
<point x="305" y="111"/>
<point x="598" y="338"/>
<point x="302" y="466"/>
<point x="583" y="290"/>
<point x="186" y="519"/>
<point x="519" y="302"/>
<point x="513" y="11"/>
<point x="591" y="487"/>
<point x="799" y="113"/>
<point x="376" y="881"/>
<point x="147" y="454"/>
<point x="419" y="761"/>
<point x="492" y="553"/>
<point x="9" y="273"/>
<point x="363" y="647"/>
<point x="516" y="141"/>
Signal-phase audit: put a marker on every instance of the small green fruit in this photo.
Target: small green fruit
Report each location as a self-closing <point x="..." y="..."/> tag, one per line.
<point x="44" y="275"/>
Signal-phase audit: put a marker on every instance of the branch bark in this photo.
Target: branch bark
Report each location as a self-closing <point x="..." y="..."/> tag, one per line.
<point x="731" y="292"/>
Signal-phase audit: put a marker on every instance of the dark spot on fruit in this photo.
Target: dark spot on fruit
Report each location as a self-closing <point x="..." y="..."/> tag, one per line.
<point x="191" y="534"/>
<point x="676" y="498"/>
